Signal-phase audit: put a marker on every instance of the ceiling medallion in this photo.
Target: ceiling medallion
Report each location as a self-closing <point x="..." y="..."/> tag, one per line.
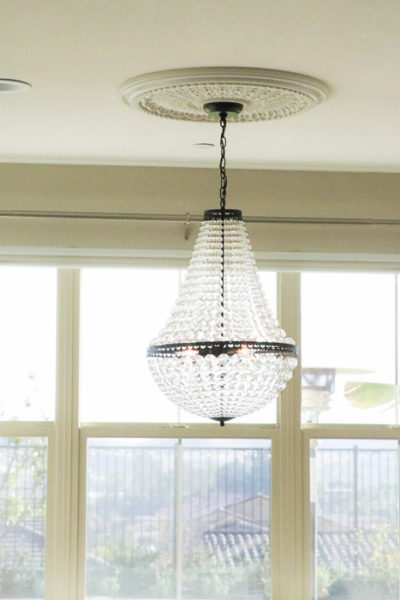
<point x="264" y="94"/>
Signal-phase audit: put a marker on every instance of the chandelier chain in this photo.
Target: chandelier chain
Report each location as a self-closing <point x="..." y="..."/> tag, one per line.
<point x="222" y="163"/>
<point x="222" y="195"/>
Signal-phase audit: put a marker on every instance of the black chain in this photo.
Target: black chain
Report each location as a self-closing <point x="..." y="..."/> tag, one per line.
<point x="222" y="195"/>
<point x="222" y="163"/>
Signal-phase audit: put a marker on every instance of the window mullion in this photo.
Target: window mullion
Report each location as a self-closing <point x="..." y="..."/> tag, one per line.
<point x="62" y="582"/>
<point x="178" y="518"/>
<point x="396" y="347"/>
<point x="292" y="582"/>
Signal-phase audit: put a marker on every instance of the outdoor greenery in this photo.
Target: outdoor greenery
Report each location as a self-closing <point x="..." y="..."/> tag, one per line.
<point x="128" y="567"/>
<point x="378" y="579"/>
<point x="131" y="521"/>
<point x="22" y="468"/>
<point x="130" y="572"/>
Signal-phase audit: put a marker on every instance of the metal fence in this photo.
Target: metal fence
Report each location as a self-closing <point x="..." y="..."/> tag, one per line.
<point x="357" y="488"/>
<point x="23" y="477"/>
<point x="137" y="495"/>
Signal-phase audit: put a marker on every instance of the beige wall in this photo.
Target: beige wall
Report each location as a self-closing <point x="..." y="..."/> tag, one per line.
<point x="64" y="188"/>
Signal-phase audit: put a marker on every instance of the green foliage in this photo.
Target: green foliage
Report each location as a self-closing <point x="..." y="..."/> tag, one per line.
<point x="362" y="587"/>
<point x="100" y="584"/>
<point x="204" y="577"/>
<point x="133" y="573"/>
<point x="22" y="402"/>
<point x="263" y="573"/>
<point x="18" y="578"/>
<point x="17" y="582"/>
<point x="378" y="580"/>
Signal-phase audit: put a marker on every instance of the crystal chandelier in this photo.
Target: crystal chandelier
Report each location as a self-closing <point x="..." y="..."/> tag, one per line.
<point x="222" y="354"/>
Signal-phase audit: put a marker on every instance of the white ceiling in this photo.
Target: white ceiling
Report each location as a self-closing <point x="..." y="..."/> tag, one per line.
<point x="76" y="53"/>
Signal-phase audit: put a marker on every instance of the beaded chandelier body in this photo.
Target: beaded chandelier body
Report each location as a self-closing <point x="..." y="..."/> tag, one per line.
<point x="222" y="354"/>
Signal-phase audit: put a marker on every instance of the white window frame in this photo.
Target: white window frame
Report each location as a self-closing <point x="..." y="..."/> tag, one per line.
<point x="67" y="440"/>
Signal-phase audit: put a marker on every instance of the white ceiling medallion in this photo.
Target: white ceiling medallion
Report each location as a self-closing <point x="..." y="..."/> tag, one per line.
<point x="264" y="93"/>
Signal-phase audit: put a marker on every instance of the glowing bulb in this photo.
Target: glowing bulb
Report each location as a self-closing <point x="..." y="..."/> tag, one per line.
<point x="243" y="351"/>
<point x="189" y="352"/>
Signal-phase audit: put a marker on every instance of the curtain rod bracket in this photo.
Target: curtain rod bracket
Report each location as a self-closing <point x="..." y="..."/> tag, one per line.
<point x="186" y="234"/>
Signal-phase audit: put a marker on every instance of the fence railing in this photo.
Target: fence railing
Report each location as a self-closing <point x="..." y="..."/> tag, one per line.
<point x="357" y="488"/>
<point x="136" y="495"/>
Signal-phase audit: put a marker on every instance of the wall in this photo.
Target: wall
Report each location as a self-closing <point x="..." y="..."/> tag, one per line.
<point x="94" y="189"/>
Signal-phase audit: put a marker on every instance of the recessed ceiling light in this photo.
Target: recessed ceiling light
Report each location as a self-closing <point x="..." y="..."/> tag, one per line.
<point x="204" y="145"/>
<point x="13" y="85"/>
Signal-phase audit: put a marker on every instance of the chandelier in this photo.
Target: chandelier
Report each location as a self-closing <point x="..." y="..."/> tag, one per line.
<point x="222" y="354"/>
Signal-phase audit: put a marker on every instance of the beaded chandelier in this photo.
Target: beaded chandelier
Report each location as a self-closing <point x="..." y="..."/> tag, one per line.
<point x="222" y="354"/>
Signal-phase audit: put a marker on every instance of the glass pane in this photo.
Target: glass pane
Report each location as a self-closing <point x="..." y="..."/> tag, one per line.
<point x="226" y="519"/>
<point x="170" y="519"/>
<point x="23" y="469"/>
<point x="122" y="309"/>
<point x="355" y="511"/>
<point x="131" y="533"/>
<point x="348" y="348"/>
<point x="28" y="304"/>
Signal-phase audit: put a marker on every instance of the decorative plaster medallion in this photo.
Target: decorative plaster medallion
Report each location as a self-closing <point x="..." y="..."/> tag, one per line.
<point x="265" y="94"/>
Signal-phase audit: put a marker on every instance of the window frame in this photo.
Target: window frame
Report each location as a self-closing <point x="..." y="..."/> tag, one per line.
<point x="67" y="442"/>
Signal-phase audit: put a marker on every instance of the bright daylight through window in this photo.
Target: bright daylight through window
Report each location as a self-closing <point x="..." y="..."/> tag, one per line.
<point x="108" y="491"/>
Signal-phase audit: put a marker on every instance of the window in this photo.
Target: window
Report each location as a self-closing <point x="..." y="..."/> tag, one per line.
<point x="355" y="506"/>
<point x="349" y="348"/>
<point x="178" y="518"/>
<point x="121" y="310"/>
<point x="107" y="491"/>
<point x="27" y="343"/>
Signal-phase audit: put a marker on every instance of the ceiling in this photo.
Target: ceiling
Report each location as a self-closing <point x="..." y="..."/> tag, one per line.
<point x="76" y="54"/>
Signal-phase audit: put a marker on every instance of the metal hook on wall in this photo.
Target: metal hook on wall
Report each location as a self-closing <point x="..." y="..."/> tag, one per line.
<point x="187" y="226"/>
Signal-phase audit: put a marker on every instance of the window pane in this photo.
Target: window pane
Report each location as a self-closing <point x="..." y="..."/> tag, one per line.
<point x="28" y="304"/>
<point x="226" y="519"/>
<point x="122" y="309"/>
<point x="23" y="468"/>
<point x="170" y="519"/>
<point x="348" y="348"/>
<point x="131" y="535"/>
<point x="355" y="510"/>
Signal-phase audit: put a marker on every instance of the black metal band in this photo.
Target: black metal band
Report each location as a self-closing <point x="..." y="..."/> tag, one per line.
<point x="229" y="214"/>
<point x="217" y="348"/>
